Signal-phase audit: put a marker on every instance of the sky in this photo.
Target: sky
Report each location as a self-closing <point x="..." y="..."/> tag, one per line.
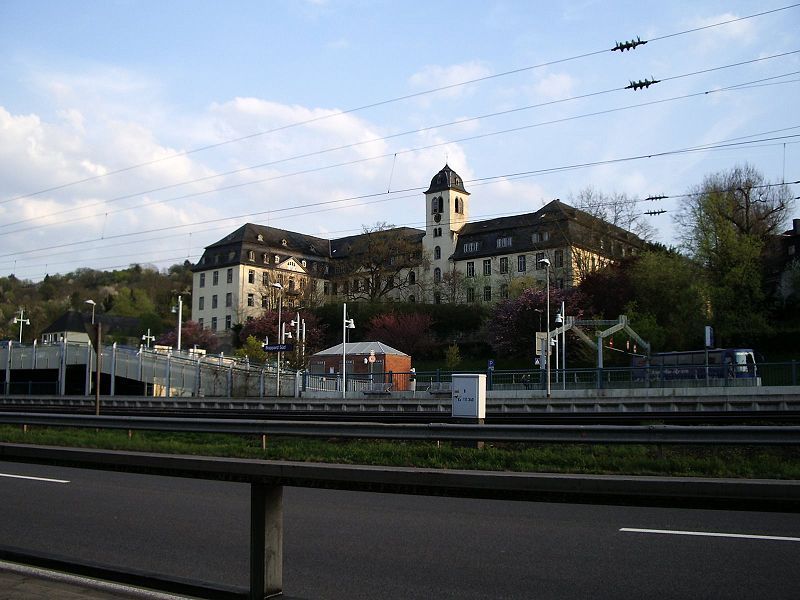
<point x="139" y="132"/>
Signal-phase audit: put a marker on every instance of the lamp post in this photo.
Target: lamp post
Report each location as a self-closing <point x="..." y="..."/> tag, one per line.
<point x="546" y="263"/>
<point x="147" y="338"/>
<point x="346" y="324"/>
<point x="93" y="303"/>
<point x="179" y="309"/>
<point x="300" y="335"/>
<point x="278" y="287"/>
<point x="22" y="321"/>
<point x="561" y="320"/>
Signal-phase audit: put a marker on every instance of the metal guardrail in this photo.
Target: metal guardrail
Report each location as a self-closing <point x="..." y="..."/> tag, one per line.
<point x="574" y="434"/>
<point x="267" y="479"/>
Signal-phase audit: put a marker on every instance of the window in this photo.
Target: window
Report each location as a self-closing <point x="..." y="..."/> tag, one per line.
<point x="470" y="269"/>
<point x="201" y="303"/>
<point x="437" y="232"/>
<point x="231" y="255"/>
<point x="471" y="246"/>
<point x="251" y="301"/>
<point x="412" y="277"/>
<point x="412" y="299"/>
<point x="521" y="266"/>
<point x="228" y="299"/>
<point x="202" y="280"/>
<point x="487" y="266"/>
<point x="460" y="206"/>
<point x="277" y="259"/>
<point x="558" y="258"/>
<point x="251" y="276"/>
<point x="540" y="236"/>
<point x="215" y="278"/>
<point x="214" y="301"/>
<point x="200" y="322"/>
<point x="504" y="264"/>
<point x="437" y="275"/>
<point x="539" y="258"/>
<point x="284" y="242"/>
<point x="504" y="291"/>
<point x="264" y="301"/>
<point x="326" y="288"/>
<point x="251" y="255"/>
<point x="213" y="323"/>
<point x="470" y="294"/>
<point x="265" y="258"/>
<point x="291" y="285"/>
<point x="437" y="205"/>
<point x="437" y="298"/>
<point x="437" y="253"/>
<point x="504" y="242"/>
<point x="487" y="293"/>
<point x="229" y="276"/>
<point x="228" y="322"/>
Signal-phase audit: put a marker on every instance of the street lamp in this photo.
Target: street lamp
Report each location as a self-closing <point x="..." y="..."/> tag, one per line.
<point x="561" y="320"/>
<point x="93" y="303"/>
<point x="300" y="335"/>
<point x="278" y="287"/>
<point x="546" y="263"/>
<point x="22" y="321"/>
<point x="147" y="338"/>
<point x="179" y="309"/>
<point x="346" y="324"/>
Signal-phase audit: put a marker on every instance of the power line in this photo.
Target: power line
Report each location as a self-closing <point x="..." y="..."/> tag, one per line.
<point x="383" y="103"/>
<point x="392" y="195"/>
<point x="740" y="86"/>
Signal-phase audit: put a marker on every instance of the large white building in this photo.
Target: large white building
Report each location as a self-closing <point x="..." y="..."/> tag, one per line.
<point x="453" y="260"/>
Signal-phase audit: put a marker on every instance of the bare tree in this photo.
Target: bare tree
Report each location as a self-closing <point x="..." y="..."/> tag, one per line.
<point x="617" y="209"/>
<point x="380" y="262"/>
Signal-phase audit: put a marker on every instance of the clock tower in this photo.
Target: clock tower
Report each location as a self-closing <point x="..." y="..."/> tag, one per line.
<point x="447" y="211"/>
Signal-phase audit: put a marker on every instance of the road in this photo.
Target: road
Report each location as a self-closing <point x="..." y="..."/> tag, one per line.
<point x="363" y="545"/>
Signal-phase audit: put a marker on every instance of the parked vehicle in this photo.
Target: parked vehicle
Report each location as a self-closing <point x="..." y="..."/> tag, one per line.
<point x="716" y="363"/>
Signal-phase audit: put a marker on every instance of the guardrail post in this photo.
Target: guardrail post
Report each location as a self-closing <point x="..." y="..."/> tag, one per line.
<point x="62" y="369"/>
<point x="113" y="373"/>
<point x="88" y="387"/>
<point x="8" y="369"/>
<point x="794" y="372"/>
<point x="266" y="540"/>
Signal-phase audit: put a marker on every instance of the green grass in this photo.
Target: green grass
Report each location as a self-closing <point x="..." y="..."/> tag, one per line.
<point x="693" y="461"/>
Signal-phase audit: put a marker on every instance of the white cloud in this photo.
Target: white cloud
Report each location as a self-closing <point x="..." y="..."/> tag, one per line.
<point x="437" y="76"/>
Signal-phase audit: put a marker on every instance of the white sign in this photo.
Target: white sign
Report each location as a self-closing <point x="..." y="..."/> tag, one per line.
<point x="469" y="396"/>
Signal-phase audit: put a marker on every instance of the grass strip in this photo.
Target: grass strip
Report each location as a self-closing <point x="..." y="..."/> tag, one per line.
<point x="685" y="461"/>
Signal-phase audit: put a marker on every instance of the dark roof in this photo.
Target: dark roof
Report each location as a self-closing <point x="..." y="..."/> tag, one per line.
<point x="71" y="320"/>
<point x="341" y="247"/>
<point x="563" y="224"/>
<point x="75" y="321"/>
<point x="446" y="179"/>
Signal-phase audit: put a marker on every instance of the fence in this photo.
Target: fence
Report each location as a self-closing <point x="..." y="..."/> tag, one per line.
<point x="188" y="375"/>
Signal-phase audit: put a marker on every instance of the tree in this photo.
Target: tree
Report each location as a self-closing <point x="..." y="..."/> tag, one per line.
<point x="252" y="350"/>
<point x="409" y="333"/>
<point x="380" y="261"/>
<point x="616" y="208"/>
<point x="513" y="323"/>
<point x="725" y="225"/>
<point x="266" y="327"/>
<point x="192" y="334"/>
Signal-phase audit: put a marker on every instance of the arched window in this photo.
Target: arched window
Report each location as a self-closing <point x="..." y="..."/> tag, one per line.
<point x="437" y="298"/>
<point x="437" y="275"/>
<point x="437" y="253"/>
<point x="412" y="277"/>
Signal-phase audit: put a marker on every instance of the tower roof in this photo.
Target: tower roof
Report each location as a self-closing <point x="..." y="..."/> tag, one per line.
<point x="446" y="179"/>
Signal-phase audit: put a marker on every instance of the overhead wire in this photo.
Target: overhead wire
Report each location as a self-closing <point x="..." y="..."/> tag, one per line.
<point x="377" y="104"/>
<point x="740" y="86"/>
<point x="393" y="196"/>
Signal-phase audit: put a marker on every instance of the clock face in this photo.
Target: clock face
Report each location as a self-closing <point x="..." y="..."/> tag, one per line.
<point x="437" y="217"/>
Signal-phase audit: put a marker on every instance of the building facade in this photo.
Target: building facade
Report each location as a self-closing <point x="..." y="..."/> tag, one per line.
<point x="452" y="260"/>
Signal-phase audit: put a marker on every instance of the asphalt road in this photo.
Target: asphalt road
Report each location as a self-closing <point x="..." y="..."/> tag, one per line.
<point x="362" y="545"/>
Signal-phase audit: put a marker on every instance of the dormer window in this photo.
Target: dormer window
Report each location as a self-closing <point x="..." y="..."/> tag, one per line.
<point x="471" y="246"/>
<point x="504" y="242"/>
<point x="260" y="237"/>
<point x="303" y="263"/>
<point x="284" y="243"/>
<point x="251" y="255"/>
<point x="540" y="236"/>
<point x="277" y="259"/>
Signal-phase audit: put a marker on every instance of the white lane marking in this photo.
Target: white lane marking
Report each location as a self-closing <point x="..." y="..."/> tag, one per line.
<point x="34" y="478"/>
<point x="774" y="538"/>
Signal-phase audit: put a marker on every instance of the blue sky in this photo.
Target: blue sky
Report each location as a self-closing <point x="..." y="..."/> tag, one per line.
<point x="90" y="88"/>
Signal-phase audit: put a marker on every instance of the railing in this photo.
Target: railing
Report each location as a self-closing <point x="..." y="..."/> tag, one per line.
<point x="267" y="478"/>
<point x="187" y="375"/>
